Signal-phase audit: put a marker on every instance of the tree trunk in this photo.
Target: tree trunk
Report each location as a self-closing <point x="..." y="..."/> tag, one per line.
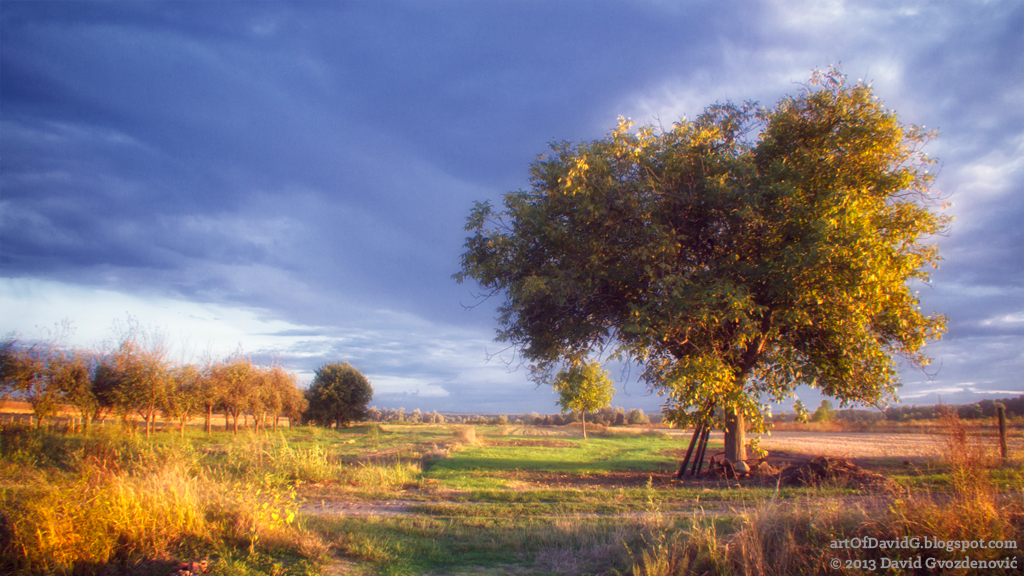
<point x="735" y="436"/>
<point x="583" y="419"/>
<point x="209" y="419"/>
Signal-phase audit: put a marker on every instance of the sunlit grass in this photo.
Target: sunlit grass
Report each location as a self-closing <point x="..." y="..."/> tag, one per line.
<point x="494" y="498"/>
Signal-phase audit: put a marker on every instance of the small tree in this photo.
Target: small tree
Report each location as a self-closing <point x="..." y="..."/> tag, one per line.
<point x="637" y="416"/>
<point x="69" y="371"/>
<point x="339" y="395"/>
<point x="283" y="393"/>
<point x="210" y="397"/>
<point x="24" y="369"/>
<point x="234" y="378"/>
<point x="824" y="413"/>
<point x="263" y="397"/>
<point x="139" y="374"/>
<point x="583" y="388"/>
<point x="620" y="417"/>
<point x="294" y="403"/>
<point x="184" y="395"/>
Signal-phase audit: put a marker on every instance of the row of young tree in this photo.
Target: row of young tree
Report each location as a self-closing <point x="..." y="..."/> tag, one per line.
<point x="136" y="376"/>
<point x="607" y="416"/>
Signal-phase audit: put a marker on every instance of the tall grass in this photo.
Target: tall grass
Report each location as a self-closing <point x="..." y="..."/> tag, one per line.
<point x="384" y="477"/>
<point x="85" y="504"/>
<point x="94" y="519"/>
<point x="797" y="538"/>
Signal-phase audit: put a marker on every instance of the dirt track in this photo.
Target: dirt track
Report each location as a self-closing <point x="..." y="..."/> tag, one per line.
<point x="859" y="445"/>
<point x="855" y="445"/>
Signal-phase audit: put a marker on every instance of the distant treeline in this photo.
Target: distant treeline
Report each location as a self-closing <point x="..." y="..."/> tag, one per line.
<point x="611" y="416"/>
<point x="982" y="409"/>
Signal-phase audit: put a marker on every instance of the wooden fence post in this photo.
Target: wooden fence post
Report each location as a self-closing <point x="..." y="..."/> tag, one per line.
<point x="1001" y="412"/>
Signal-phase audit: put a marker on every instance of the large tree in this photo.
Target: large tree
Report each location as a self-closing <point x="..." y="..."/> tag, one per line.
<point x="735" y="256"/>
<point x="338" y="395"/>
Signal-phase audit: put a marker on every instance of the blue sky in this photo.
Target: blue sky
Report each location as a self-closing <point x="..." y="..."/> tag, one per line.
<point x="293" y="178"/>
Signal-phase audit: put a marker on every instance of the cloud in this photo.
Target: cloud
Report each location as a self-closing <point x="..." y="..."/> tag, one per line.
<point x="296" y="176"/>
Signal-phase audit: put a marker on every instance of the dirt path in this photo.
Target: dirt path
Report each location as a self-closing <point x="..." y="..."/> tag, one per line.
<point x="393" y="508"/>
<point x="396" y="508"/>
<point x="358" y="508"/>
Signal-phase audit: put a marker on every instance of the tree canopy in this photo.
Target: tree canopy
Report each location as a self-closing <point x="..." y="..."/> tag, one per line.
<point x="338" y="395"/>
<point x="734" y="256"/>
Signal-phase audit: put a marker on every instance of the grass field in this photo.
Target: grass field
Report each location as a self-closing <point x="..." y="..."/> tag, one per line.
<point x="435" y="499"/>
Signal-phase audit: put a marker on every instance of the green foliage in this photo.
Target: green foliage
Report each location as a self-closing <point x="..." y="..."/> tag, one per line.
<point x="339" y="395"/>
<point x="235" y="382"/>
<point x="139" y="374"/>
<point x="583" y="388"/>
<point x="824" y="413"/>
<point x="28" y="371"/>
<point x="637" y="416"/>
<point x="735" y="256"/>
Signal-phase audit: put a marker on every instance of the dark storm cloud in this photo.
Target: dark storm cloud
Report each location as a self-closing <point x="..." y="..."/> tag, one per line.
<point x="132" y="130"/>
<point x="314" y="162"/>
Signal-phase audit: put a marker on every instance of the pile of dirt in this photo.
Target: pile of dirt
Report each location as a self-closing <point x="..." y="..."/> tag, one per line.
<point x="836" y="470"/>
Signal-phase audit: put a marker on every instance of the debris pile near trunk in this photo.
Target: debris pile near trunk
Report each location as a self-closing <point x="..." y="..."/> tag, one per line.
<point x="760" y="468"/>
<point x="837" y="470"/>
<point x="720" y="467"/>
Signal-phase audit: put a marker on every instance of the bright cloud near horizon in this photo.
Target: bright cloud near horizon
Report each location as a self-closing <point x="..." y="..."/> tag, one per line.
<point x="292" y="179"/>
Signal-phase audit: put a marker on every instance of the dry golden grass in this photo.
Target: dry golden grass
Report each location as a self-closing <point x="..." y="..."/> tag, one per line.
<point x="797" y="537"/>
<point x="117" y="500"/>
<point x="466" y="435"/>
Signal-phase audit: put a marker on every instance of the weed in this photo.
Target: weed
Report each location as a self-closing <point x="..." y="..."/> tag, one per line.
<point x="384" y="477"/>
<point x="796" y="537"/>
<point x="304" y="464"/>
<point x="466" y="435"/>
<point x="373" y="434"/>
<point x="94" y="520"/>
